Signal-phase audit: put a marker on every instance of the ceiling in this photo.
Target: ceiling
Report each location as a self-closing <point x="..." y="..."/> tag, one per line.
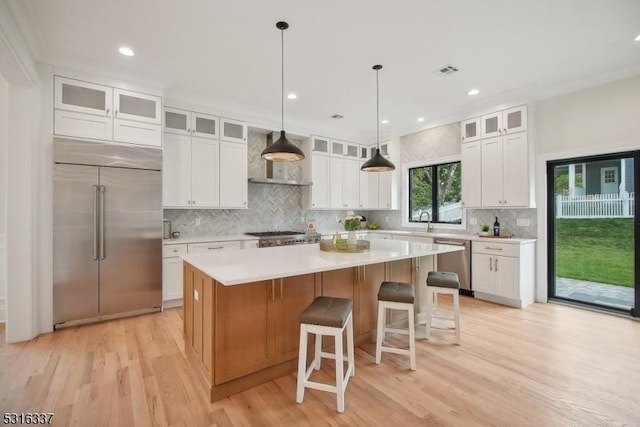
<point x="226" y="53"/>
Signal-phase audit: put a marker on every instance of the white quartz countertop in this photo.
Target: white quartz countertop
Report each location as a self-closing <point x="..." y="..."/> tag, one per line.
<point x="439" y="235"/>
<point x="234" y="267"/>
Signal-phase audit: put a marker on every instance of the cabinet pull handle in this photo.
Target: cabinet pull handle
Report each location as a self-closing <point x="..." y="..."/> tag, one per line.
<point x="492" y="248"/>
<point x="364" y="273"/>
<point x="273" y="289"/>
<point x="281" y="292"/>
<point x="215" y="247"/>
<point x="490" y="265"/>
<point x="116" y="112"/>
<point x="107" y="111"/>
<point x="496" y="265"/>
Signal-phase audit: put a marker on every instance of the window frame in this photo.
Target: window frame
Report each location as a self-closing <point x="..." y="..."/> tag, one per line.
<point x="405" y="194"/>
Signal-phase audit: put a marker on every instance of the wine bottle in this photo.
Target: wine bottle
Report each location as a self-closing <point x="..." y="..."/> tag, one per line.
<point x="496" y="227"/>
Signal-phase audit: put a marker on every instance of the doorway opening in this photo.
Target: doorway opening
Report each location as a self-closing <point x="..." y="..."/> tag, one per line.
<point x="594" y="231"/>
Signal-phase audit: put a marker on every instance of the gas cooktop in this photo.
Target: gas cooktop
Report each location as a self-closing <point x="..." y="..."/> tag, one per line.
<point x="282" y="238"/>
<point x="274" y="233"/>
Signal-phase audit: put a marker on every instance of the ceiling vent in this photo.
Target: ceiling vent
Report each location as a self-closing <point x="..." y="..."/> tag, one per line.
<point x="337" y="116"/>
<point x="448" y="70"/>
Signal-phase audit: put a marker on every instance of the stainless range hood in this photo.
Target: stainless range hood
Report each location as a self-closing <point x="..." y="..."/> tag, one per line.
<point x="277" y="172"/>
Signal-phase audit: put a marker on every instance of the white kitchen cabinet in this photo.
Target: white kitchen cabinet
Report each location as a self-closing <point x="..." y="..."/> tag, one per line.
<point x="172" y="274"/>
<point x="321" y="178"/>
<point x="176" y="171"/>
<point x="385" y="189"/>
<point x="196" y="248"/>
<point x="190" y="173"/>
<point x="368" y="190"/>
<point x="139" y="133"/>
<point x="233" y="130"/>
<point x="135" y="106"/>
<point x="351" y="150"/>
<point x="185" y="122"/>
<point x="505" y="171"/>
<point x="81" y="125"/>
<point x="205" y="173"/>
<point x="337" y="148"/>
<point x="92" y="111"/>
<point x="470" y="130"/>
<point x="233" y="175"/>
<point x="82" y="97"/>
<point x="504" y="122"/>
<point x="320" y="144"/>
<point x="471" y="161"/>
<point x="345" y="186"/>
<point x="504" y="272"/>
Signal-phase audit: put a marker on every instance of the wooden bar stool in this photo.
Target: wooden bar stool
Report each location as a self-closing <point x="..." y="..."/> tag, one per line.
<point x="326" y="316"/>
<point x="397" y="296"/>
<point x="441" y="282"/>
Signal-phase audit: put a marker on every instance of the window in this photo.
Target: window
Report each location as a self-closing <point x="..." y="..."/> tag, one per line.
<point x="435" y="185"/>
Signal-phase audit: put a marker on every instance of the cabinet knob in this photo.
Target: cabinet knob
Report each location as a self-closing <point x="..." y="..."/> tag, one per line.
<point x="193" y="202"/>
<point x="107" y="111"/>
<point x="116" y="112"/>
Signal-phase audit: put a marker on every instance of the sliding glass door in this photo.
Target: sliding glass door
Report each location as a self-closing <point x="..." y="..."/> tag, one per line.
<point x="594" y="231"/>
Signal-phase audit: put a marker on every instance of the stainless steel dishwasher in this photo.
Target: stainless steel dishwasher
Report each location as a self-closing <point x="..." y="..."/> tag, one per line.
<point x="457" y="262"/>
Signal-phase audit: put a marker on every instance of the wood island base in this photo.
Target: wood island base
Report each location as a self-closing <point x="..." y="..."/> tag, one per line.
<point x="240" y="336"/>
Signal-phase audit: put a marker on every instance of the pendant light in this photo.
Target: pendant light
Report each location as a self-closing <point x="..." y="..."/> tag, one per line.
<point x="282" y="150"/>
<point x="377" y="163"/>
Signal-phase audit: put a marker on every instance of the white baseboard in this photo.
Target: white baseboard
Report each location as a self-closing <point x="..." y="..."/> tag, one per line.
<point x="172" y="303"/>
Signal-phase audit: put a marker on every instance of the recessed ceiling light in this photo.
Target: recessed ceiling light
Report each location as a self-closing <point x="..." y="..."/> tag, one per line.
<point x="473" y="92"/>
<point x="637" y="38"/>
<point x="384" y="122"/>
<point x="292" y="96"/>
<point x="126" y="51"/>
<point x="421" y="119"/>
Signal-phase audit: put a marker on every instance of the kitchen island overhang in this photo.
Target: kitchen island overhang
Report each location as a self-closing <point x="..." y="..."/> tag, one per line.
<point x="242" y="307"/>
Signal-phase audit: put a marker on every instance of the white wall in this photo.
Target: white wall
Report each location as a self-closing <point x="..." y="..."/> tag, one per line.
<point x="598" y="120"/>
<point x="4" y="121"/>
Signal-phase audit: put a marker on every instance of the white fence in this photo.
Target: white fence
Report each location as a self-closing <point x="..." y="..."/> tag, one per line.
<point x="596" y="206"/>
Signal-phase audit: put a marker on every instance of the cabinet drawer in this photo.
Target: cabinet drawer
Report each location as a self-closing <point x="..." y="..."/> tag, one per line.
<point x="213" y="246"/>
<point x="491" y="248"/>
<point x="174" y="250"/>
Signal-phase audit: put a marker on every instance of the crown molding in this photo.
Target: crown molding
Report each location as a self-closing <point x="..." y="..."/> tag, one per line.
<point x="22" y="70"/>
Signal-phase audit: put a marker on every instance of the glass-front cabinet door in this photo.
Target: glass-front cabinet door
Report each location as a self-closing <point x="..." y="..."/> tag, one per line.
<point x="337" y="148"/>
<point x="233" y="130"/>
<point x="470" y="129"/>
<point x="82" y="97"/>
<point x="204" y="125"/>
<point x="351" y="150"/>
<point x="514" y="119"/>
<point x="137" y="106"/>
<point x="177" y="121"/>
<point x="320" y="144"/>
<point x="491" y="125"/>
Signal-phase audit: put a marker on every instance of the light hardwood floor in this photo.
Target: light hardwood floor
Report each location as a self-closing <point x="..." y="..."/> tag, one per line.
<point x="546" y="365"/>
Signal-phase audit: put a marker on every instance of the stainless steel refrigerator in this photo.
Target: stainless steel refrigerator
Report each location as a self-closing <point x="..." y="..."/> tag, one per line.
<point x="107" y="231"/>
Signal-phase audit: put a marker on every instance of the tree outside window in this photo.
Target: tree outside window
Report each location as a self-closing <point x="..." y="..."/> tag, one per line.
<point x="425" y="192"/>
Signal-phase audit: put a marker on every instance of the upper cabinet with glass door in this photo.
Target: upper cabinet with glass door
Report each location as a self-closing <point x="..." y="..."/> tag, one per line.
<point x="320" y="144"/>
<point x="190" y="123"/>
<point x="82" y="97"/>
<point x="136" y="106"/>
<point x="504" y="122"/>
<point x="233" y="130"/>
<point x="470" y="129"/>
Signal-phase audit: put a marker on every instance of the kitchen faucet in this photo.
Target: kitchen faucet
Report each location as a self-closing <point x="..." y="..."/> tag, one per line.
<point x="429" y="227"/>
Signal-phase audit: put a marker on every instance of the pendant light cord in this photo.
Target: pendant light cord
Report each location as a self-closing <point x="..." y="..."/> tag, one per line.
<point x="378" y="109"/>
<point x="282" y="68"/>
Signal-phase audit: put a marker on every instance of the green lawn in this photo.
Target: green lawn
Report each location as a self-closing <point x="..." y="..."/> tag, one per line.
<point x="597" y="250"/>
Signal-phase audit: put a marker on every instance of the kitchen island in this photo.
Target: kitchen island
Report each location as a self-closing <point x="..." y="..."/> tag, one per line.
<point x="242" y="307"/>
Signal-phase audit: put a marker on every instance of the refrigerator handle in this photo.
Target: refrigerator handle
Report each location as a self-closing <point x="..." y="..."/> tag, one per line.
<point x="95" y="222"/>
<point x="102" y="256"/>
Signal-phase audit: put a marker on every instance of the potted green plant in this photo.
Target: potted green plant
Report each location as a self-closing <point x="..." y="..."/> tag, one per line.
<point x="485" y="230"/>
